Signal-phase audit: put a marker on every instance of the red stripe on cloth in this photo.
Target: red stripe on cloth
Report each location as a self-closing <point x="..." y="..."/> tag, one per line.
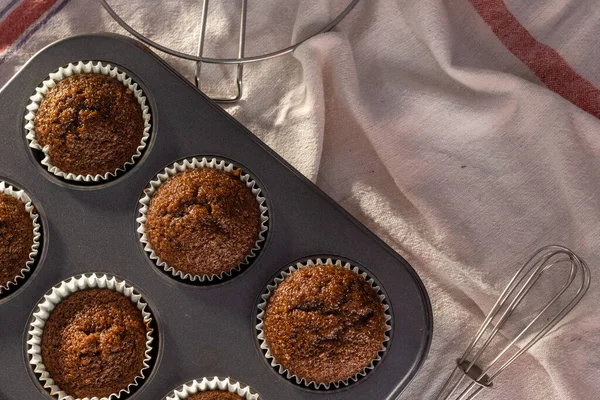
<point x="17" y="22"/>
<point x="544" y="61"/>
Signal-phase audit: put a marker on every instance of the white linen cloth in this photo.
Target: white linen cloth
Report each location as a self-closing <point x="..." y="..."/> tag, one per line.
<point x="417" y="119"/>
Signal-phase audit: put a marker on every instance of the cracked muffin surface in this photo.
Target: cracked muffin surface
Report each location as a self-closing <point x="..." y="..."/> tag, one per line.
<point x="92" y="124"/>
<point x="324" y="323"/>
<point x="16" y="237"/>
<point x="203" y="221"/>
<point x="214" y="395"/>
<point x="94" y="343"/>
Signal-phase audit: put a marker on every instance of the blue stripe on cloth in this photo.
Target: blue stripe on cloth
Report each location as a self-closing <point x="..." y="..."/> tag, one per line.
<point x="33" y="30"/>
<point x="8" y="7"/>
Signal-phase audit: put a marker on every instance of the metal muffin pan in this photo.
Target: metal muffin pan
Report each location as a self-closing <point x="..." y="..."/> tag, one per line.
<point x="203" y="330"/>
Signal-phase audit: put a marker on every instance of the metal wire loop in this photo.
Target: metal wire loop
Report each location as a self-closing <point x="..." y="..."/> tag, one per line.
<point x="239" y="60"/>
<point x="480" y="375"/>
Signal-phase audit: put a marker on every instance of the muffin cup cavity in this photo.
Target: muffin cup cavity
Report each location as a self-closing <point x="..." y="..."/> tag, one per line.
<point x="37" y="233"/>
<point x="60" y="292"/>
<point x="93" y="67"/>
<point x="193" y="163"/>
<point x="214" y="383"/>
<point x="262" y="307"/>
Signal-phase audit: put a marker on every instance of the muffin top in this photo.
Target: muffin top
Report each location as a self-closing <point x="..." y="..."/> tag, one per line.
<point x="203" y="221"/>
<point x="324" y="323"/>
<point x="94" y="342"/>
<point x="214" y="395"/>
<point x="16" y="237"/>
<point x="92" y="124"/>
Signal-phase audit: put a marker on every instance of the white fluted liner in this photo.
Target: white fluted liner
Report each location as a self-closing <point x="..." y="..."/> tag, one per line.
<point x="263" y="306"/>
<point x="192" y="163"/>
<point x="58" y="294"/>
<point x="21" y="195"/>
<point x="214" y="383"/>
<point x="94" y="67"/>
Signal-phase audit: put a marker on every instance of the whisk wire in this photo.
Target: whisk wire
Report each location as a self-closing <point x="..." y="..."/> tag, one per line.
<point x="468" y="366"/>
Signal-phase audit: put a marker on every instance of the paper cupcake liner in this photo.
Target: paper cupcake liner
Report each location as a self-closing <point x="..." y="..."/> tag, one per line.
<point x="215" y="383"/>
<point x="58" y="294"/>
<point x="95" y="67"/>
<point x="21" y="195"/>
<point x="193" y="163"/>
<point x="263" y="307"/>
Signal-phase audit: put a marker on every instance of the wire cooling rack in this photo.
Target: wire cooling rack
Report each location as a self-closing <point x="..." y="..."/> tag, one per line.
<point x="240" y="60"/>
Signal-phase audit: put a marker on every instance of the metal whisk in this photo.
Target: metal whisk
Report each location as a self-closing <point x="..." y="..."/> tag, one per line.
<point x="471" y="374"/>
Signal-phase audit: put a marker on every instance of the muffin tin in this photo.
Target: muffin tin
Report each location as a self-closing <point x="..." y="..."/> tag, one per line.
<point x="206" y="329"/>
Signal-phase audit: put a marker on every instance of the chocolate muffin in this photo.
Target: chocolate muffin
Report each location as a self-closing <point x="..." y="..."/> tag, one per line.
<point x="203" y="221"/>
<point x="16" y="238"/>
<point x="93" y="343"/>
<point x="92" y="124"/>
<point x="324" y="323"/>
<point x="214" y="395"/>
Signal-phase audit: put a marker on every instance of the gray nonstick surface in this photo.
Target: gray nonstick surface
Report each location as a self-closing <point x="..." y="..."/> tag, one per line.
<point x="203" y="330"/>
